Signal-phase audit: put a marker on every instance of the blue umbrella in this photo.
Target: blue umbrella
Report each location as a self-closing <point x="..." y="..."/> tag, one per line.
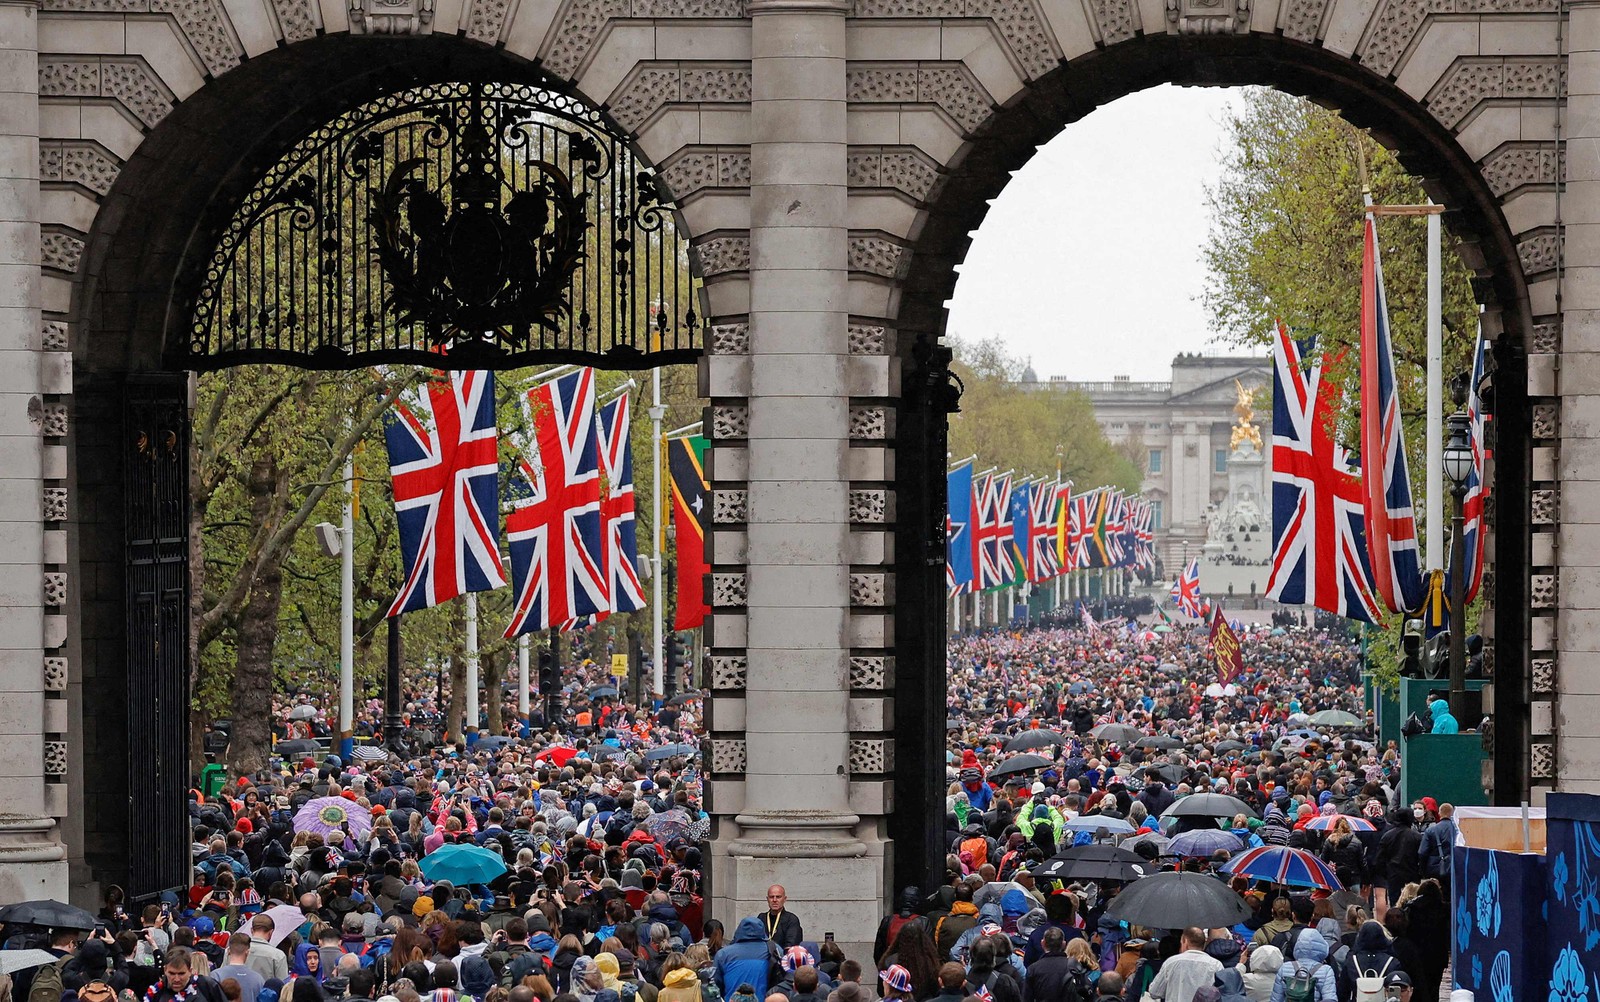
<point x="1204" y="842"/>
<point x="668" y="751"/>
<point x="463" y="864"/>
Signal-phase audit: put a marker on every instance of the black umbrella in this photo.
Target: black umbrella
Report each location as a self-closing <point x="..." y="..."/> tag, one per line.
<point x="1029" y="740"/>
<point x="1158" y="741"/>
<point x="1121" y="734"/>
<point x="668" y="751"/>
<point x="493" y="742"/>
<point x="47" y="913"/>
<point x="603" y="750"/>
<point x="603" y="690"/>
<point x="1170" y="772"/>
<point x="682" y="697"/>
<point x="1228" y="746"/>
<point x="1020" y="763"/>
<point x="295" y="746"/>
<point x="1178" y="900"/>
<point x="1094" y="862"/>
<point x="1208" y="805"/>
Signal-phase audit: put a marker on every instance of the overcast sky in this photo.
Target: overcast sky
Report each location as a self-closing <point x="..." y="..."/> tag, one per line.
<point x="1089" y="261"/>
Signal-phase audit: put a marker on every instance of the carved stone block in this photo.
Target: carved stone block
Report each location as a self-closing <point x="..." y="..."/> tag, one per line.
<point x="1544" y="591"/>
<point x="869" y="423"/>
<point x="1543" y="760"/>
<point x="1302" y="19"/>
<point x="867" y="340"/>
<point x="1546" y="422"/>
<point x="53" y="423"/>
<point x="869" y="671"/>
<point x="728" y="756"/>
<point x="1208" y="17"/>
<point x="881" y="256"/>
<point x="55" y="588"/>
<point x="721" y="255"/>
<point x="730" y="339"/>
<point x="54" y="504"/>
<point x="127" y="80"/>
<point x="1544" y="675"/>
<point x="869" y="589"/>
<point x="55" y="674"/>
<point x="81" y="163"/>
<point x="730" y="421"/>
<point x="871" y="756"/>
<point x="55" y="758"/>
<point x="728" y="507"/>
<point x="728" y="671"/>
<point x="1546" y="339"/>
<point x="53" y="336"/>
<point x="1545" y="506"/>
<point x="728" y="589"/>
<point x="1538" y="254"/>
<point x="391" y="17"/>
<point x="60" y="250"/>
<point x="1118" y="20"/>
<point x="869" y="506"/>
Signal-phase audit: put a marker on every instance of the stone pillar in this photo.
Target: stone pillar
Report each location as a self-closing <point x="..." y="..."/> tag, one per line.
<point x="794" y="825"/>
<point x="32" y="860"/>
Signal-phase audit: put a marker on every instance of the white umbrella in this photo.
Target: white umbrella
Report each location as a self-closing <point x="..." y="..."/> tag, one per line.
<point x="305" y="711"/>
<point x="12" y="961"/>
<point x="285" y="919"/>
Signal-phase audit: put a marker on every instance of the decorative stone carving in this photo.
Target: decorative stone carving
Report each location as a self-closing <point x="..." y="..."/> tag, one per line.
<point x="1538" y="253"/>
<point x="950" y="87"/>
<point x="1392" y="30"/>
<point x="700" y="168"/>
<point x="1516" y="164"/>
<point x="1544" y="674"/>
<point x="871" y="756"/>
<point x="1019" y="21"/>
<point x="1544" y="507"/>
<point x="55" y="674"/>
<point x="877" y="255"/>
<point x="391" y="17"/>
<point x="486" y="20"/>
<point x="728" y="589"/>
<point x="730" y="421"/>
<point x="867" y="340"/>
<point x="727" y="756"/>
<point x="55" y="589"/>
<point x="297" y="19"/>
<point x="1475" y="79"/>
<point x="1545" y="423"/>
<point x="869" y="506"/>
<point x="728" y="671"/>
<point x="54" y="424"/>
<point x="55" y="758"/>
<point x="126" y="79"/>
<point x="1302" y="19"/>
<point x="893" y="167"/>
<point x="1117" y="19"/>
<point x="652" y="86"/>
<point x="869" y="671"/>
<point x="730" y="339"/>
<point x="1208" y="17"/>
<point x="721" y="255"/>
<point x="82" y="163"/>
<point x="577" y="28"/>
<point x="688" y="8"/>
<point x="1488" y="648"/>
<point x="728" y="507"/>
<point x="207" y="29"/>
<point x="54" y="504"/>
<point x="60" y="250"/>
<point x="1542" y="760"/>
<point x="869" y="423"/>
<point x="868" y="589"/>
<point x="53" y="335"/>
<point x="1545" y="339"/>
<point x="1544" y="590"/>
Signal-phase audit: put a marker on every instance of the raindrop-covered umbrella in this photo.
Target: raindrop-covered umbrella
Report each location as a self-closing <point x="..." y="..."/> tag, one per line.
<point x="1161" y="842"/>
<point x="1204" y="842"/>
<point x="305" y="711"/>
<point x="1325" y="822"/>
<point x="462" y="864"/>
<point x="1178" y="900"/>
<point x="1027" y="762"/>
<point x="12" y="961"/>
<point x="1093" y="823"/>
<point x="1280" y="864"/>
<point x="1093" y="862"/>
<point x="324" y="815"/>
<point x="1120" y="734"/>
<point x="1228" y="746"/>
<point x="296" y="746"/>
<point x="45" y="912"/>
<point x="1335" y="718"/>
<point x="668" y="825"/>
<point x="1029" y="740"/>
<point x="1208" y="805"/>
<point x="668" y="751"/>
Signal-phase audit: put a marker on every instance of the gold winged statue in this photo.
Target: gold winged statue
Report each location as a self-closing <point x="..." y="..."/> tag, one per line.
<point x="1244" y="430"/>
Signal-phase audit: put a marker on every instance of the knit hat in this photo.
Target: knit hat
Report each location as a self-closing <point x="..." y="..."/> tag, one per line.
<point x="423" y="906"/>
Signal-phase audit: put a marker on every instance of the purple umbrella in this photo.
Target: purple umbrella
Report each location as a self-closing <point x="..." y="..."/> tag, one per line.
<point x="325" y="814"/>
<point x="1204" y="842"/>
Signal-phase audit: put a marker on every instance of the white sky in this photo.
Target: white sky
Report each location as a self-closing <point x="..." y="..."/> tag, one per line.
<point x="1089" y="261"/>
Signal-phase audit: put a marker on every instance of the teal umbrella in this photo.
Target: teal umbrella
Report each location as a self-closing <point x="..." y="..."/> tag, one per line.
<point x="463" y="864"/>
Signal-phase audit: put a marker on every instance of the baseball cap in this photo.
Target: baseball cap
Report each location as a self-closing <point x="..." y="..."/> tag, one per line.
<point x="1397" y="979"/>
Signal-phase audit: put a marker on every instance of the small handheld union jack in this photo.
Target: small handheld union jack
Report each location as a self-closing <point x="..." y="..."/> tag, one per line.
<point x="1186" y="590"/>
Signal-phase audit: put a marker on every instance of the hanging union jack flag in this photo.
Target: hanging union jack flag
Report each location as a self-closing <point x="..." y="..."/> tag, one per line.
<point x="555" y="524"/>
<point x="1477" y="488"/>
<point x="1319" y="554"/>
<point x="992" y="534"/>
<point x="617" y="510"/>
<point x="444" y="464"/>
<point x="1042" y="562"/>
<point x="1186" y="590"/>
<point x="1391" y="522"/>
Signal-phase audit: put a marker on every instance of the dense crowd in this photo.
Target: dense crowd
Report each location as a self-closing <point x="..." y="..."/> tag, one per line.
<point x="319" y="879"/>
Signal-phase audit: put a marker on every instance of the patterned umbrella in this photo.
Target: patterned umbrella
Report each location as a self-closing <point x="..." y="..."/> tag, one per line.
<point x="668" y="825"/>
<point x="1204" y="842"/>
<point x="1325" y="822"/>
<point x="1283" y="865"/>
<point x="325" y="814"/>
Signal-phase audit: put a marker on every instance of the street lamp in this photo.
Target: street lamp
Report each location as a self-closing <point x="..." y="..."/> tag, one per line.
<point x="1458" y="467"/>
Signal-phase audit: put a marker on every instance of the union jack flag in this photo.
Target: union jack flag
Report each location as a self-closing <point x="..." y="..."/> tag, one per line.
<point x="1391" y="522"/>
<point x="1319" y="554"/>
<point x="1088" y="620"/>
<point x="1186" y="590"/>
<point x="1042" y="562"/>
<point x="617" y="510"/>
<point x="554" y="525"/>
<point x="992" y="532"/>
<point x="1076" y="515"/>
<point x="444" y="463"/>
<point x="1477" y="489"/>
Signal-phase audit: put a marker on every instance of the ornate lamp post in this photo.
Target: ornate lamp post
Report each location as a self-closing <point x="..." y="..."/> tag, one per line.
<point x="1457" y="467"/>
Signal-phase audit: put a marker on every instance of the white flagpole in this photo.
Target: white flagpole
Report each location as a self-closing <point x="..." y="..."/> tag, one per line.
<point x="472" y="664"/>
<point x="1435" y="506"/>
<point x="522" y="677"/>
<point x="657" y="412"/>
<point x="347" y="635"/>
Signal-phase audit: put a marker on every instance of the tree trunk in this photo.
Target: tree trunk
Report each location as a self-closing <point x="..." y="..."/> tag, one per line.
<point x="493" y="669"/>
<point x="257" y="633"/>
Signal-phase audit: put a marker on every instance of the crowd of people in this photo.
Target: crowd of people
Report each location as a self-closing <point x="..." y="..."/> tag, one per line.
<point x="595" y="821"/>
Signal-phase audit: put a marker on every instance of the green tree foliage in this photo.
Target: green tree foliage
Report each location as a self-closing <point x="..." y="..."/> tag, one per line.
<point x="1016" y="428"/>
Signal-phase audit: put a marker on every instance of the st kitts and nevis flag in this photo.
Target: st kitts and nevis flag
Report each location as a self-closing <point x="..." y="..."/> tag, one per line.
<point x="958" y="530"/>
<point x="617" y="508"/>
<point x="1044" y="502"/>
<point x="1391" y="518"/>
<point x="1319" y="552"/>
<point x="1186" y="590"/>
<point x="443" y="449"/>
<point x="686" y="466"/>
<point x="555" y="525"/>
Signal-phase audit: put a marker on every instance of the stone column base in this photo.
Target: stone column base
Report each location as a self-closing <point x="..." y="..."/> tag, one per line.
<point x="33" y="862"/>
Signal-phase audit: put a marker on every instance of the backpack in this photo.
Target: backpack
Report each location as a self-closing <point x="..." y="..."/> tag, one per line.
<point x="47" y="986"/>
<point x="1302" y="987"/>
<point x="1369" y="984"/>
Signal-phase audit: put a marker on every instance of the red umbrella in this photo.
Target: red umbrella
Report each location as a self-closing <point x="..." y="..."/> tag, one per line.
<point x="560" y="756"/>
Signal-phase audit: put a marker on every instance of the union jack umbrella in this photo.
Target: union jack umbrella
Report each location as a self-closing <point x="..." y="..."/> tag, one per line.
<point x="554" y="525"/>
<point x="1326" y="822"/>
<point x="1186" y="590"/>
<point x="1319" y="554"/>
<point x="617" y="510"/>
<point x="444" y="466"/>
<point x="1280" y="864"/>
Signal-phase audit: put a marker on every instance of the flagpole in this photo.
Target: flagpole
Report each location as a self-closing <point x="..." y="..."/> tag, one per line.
<point x="657" y="412"/>
<point x="472" y="667"/>
<point x="688" y="429"/>
<point x="522" y="678"/>
<point x="347" y="634"/>
<point x="1435" y="552"/>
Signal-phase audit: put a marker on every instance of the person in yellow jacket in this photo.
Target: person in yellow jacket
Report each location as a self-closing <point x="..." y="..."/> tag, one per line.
<point x="679" y="983"/>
